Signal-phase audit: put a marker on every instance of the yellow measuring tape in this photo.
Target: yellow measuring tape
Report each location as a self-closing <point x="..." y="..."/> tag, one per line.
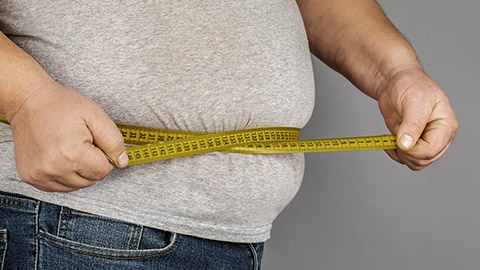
<point x="157" y="144"/>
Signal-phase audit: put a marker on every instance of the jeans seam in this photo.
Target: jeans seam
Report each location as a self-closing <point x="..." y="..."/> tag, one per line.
<point x="18" y="200"/>
<point x="139" y="236"/>
<point x="254" y="256"/>
<point x="114" y="257"/>
<point x="37" y="211"/>
<point x="132" y="235"/>
<point x="60" y="221"/>
<point x="99" y="249"/>
<point x="63" y="222"/>
<point x="66" y="224"/>
<point x="3" y="237"/>
<point x="16" y="206"/>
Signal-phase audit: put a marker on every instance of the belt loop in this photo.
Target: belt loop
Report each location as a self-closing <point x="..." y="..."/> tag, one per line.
<point x="63" y="218"/>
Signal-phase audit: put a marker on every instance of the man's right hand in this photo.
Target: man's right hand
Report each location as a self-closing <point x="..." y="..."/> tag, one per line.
<point x="61" y="138"/>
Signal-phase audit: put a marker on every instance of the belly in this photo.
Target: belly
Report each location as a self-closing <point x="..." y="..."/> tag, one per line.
<point x="187" y="65"/>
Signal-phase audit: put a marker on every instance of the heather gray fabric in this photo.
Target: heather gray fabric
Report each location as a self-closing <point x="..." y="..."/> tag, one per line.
<point x="183" y="65"/>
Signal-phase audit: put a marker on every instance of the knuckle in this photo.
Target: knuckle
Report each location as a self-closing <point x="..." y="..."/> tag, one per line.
<point x="42" y="188"/>
<point x="455" y="126"/>
<point x="103" y="173"/>
<point x="64" y="189"/>
<point x="98" y="172"/>
<point x="75" y="185"/>
<point x="91" y="183"/>
<point x="48" y="170"/>
<point x="400" y="160"/>
<point x="37" y="176"/>
<point x="416" y="169"/>
<point x="68" y="154"/>
<point x="417" y="165"/>
<point x="24" y="175"/>
<point x="30" y="173"/>
<point x="107" y="170"/>
<point x="429" y="156"/>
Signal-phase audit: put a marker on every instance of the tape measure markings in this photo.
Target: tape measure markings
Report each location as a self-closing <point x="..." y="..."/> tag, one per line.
<point x="203" y="143"/>
<point x="157" y="144"/>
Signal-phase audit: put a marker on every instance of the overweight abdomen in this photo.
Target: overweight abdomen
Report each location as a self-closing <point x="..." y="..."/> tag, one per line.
<point x="183" y="65"/>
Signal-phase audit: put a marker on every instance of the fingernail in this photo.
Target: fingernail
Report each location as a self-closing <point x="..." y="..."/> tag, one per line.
<point x="123" y="159"/>
<point x="406" y="141"/>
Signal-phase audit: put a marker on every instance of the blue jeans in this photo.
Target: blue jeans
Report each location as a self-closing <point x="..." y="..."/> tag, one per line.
<point x="39" y="235"/>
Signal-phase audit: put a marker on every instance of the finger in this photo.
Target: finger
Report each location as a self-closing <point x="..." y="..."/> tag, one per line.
<point x="74" y="181"/>
<point x="418" y="164"/>
<point x="57" y="179"/>
<point x="93" y="164"/>
<point x="392" y="153"/>
<point x="53" y="186"/>
<point x="108" y="138"/>
<point x="434" y="140"/>
<point x="416" y="111"/>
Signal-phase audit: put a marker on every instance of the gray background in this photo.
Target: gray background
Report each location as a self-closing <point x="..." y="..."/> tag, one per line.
<point x="361" y="210"/>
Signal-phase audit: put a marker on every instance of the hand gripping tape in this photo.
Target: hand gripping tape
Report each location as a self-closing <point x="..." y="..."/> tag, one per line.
<point x="157" y="144"/>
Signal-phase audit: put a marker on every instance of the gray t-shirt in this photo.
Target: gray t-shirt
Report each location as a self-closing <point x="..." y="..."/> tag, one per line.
<point x="183" y="65"/>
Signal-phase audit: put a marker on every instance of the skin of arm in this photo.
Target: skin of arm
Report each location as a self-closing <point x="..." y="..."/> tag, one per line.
<point x="355" y="38"/>
<point x="61" y="137"/>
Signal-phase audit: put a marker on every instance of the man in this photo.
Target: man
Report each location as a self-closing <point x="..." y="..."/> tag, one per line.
<point x="187" y="65"/>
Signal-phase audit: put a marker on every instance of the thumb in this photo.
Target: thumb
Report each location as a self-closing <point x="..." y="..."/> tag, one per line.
<point x="415" y="116"/>
<point x="108" y="138"/>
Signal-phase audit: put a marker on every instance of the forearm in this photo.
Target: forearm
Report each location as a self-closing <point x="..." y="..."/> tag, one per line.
<point x="355" y="38"/>
<point x="19" y="74"/>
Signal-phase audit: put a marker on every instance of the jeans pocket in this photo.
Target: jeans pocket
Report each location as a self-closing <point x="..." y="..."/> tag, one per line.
<point x="3" y="247"/>
<point x="97" y="241"/>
